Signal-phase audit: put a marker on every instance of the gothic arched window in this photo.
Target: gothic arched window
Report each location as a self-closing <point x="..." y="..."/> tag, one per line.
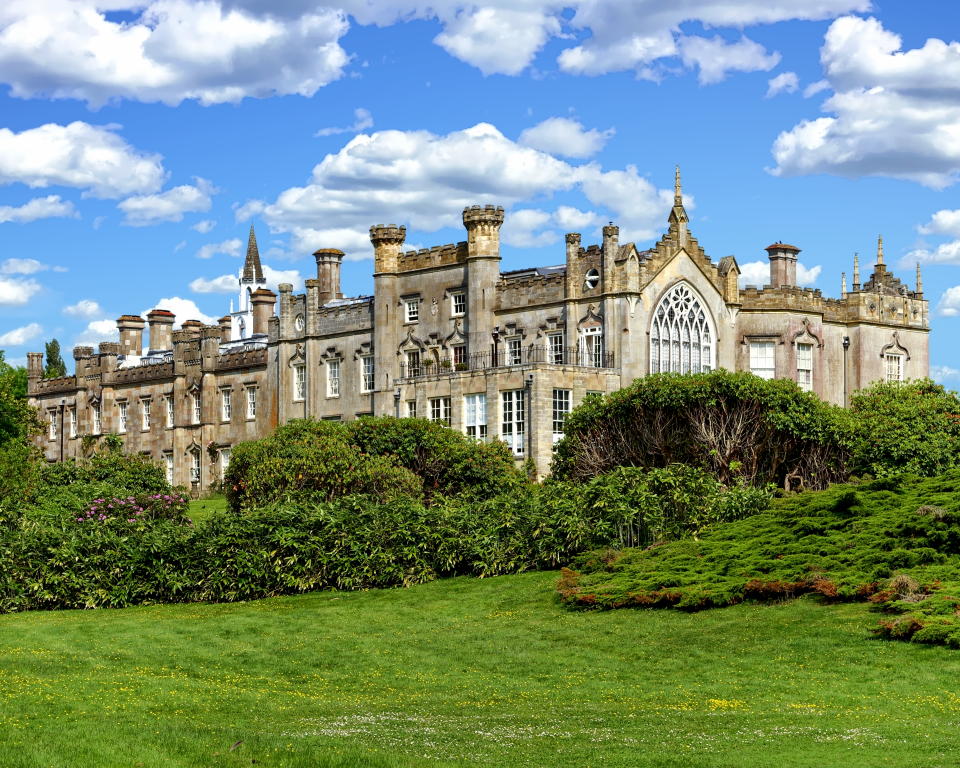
<point x="681" y="339"/>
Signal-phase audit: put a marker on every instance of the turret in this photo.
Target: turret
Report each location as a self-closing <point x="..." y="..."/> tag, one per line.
<point x="783" y="264"/>
<point x="161" y="329"/>
<point x="263" y="303"/>
<point x="483" y="272"/>
<point x="483" y="230"/>
<point x="131" y="334"/>
<point x="386" y="239"/>
<point x="328" y="274"/>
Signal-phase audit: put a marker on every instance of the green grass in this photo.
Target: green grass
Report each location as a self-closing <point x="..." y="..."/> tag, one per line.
<point x="468" y="672"/>
<point x="201" y="510"/>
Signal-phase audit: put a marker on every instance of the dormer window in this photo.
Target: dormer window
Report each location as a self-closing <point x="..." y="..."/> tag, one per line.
<point x="591" y="280"/>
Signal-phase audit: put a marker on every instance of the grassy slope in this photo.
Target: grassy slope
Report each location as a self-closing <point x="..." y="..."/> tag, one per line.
<point x="202" y="510"/>
<point x="469" y="672"/>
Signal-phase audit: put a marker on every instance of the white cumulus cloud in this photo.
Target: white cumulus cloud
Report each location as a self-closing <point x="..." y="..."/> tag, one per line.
<point x="715" y="57"/>
<point x="943" y="222"/>
<point x="15" y="292"/>
<point x="758" y="273"/>
<point x="49" y="207"/>
<point x="565" y="137"/>
<point x="204" y="227"/>
<point x="785" y="82"/>
<point x="20" y="336"/>
<point x="84" y="308"/>
<point x="949" y="303"/>
<point x="229" y="284"/>
<point x="143" y="210"/>
<point x="15" y="266"/>
<point x="362" y="120"/>
<point x="97" y="331"/>
<point x="231" y="247"/>
<point x="184" y="309"/>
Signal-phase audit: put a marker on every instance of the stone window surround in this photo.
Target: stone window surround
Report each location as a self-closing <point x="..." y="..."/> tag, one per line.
<point x="332" y="355"/>
<point x="146" y="415"/>
<point x="411" y="301"/>
<point x="226" y="404"/>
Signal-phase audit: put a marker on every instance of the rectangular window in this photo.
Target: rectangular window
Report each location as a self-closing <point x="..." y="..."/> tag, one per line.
<point x="251" y="402"/>
<point x="122" y="426"/>
<point x="761" y="359"/>
<point x="805" y="366"/>
<point x="97" y="419"/>
<point x="168" y="466"/>
<point x="555" y="348"/>
<point x="333" y="378"/>
<point x="475" y="416"/>
<point x="412" y="309"/>
<point x="300" y="382"/>
<point x="413" y="363"/>
<point x="195" y="467"/>
<point x="561" y="407"/>
<point x="412" y="409"/>
<point x="894" y="367"/>
<point x="73" y="422"/>
<point x="366" y="373"/>
<point x="440" y="410"/>
<point x="52" y="421"/>
<point x="591" y="347"/>
<point x="514" y="351"/>
<point x="224" y="461"/>
<point x="226" y="404"/>
<point x="458" y="304"/>
<point x="144" y="415"/>
<point x="460" y="357"/>
<point x="511" y="423"/>
<point x="195" y="408"/>
<point x="168" y="407"/>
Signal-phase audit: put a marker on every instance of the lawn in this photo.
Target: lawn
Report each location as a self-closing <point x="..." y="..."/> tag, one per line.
<point x="470" y="672"/>
<point x="202" y="509"/>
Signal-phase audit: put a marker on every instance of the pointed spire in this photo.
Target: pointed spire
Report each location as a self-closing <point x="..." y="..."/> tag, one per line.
<point x="856" y="271"/>
<point x="677" y="189"/>
<point x="252" y="271"/>
<point x="677" y="219"/>
<point x="843" y="285"/>
<point x="879" y="249"/>
<point x="919" y="281"/>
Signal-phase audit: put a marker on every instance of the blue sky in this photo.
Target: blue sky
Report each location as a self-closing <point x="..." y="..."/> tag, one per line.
<point x="139" y="140"/>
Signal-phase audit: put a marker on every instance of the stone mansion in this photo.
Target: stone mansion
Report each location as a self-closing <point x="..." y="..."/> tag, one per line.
<point x="449" y="337"/>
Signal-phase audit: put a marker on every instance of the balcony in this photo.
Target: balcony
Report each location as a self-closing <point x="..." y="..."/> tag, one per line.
<point x="571" y="356"/>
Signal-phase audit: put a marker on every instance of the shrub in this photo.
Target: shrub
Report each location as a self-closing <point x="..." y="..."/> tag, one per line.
<point x="734" y="425"/>
<point x="909" y="427"/>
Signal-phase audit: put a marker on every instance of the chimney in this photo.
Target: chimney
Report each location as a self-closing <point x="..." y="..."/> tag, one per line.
<point x="131" y="334"/>
<point x="192" y="329"/>
<point x="225" y="333"/>
<point x="263" y="302"/>
<point x="161" y="329"/>
<point x="34" y="368"/>
<point x="328" y="274"/>
<point x="783" y="264"/>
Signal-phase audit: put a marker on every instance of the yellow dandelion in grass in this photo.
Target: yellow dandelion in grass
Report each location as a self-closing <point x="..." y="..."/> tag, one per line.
<point x="725" y="704"/>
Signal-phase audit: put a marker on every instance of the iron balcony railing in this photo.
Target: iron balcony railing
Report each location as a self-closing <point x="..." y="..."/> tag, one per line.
<point x="504" y="358"/>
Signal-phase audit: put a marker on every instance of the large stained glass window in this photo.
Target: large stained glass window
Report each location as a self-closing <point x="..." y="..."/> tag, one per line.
<point x="680" y="337"/>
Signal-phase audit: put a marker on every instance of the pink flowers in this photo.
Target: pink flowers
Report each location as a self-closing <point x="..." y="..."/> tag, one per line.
<point x="133" y="509"/>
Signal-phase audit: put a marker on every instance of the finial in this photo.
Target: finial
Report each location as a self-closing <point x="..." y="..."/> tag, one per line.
<point x="879" y="249"/>
<point x="677" y="191"/>
<point x="843" y="284"/>
<point x="856" y="271"/>
<point x="919" y="281"/>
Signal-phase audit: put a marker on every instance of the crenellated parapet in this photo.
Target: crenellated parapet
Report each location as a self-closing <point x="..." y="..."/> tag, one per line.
<point x="244" y="358"/>
<point x="432" y="258"/>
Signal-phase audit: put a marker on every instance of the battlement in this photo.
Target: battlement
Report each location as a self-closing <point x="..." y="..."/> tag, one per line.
<point x="149" y="372"/>
<point x="387" y="234"/>
<point x="431" y="258"/>
<point x="243" y="358"/>
<point x="62" y="384"/>
<point x="482" y="214"/>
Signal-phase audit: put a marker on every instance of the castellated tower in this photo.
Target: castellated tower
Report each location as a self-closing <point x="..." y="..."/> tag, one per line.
<point x="387" y="320"/>
<point x="483" y="271"/>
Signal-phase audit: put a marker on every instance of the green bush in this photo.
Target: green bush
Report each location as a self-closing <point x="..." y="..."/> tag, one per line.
<point x="734" y="425"/>
<point x="905" y="427"/>
<point x="380" y="458"/>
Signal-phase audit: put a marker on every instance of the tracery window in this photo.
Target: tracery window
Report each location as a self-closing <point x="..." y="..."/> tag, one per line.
<point x="680" y="337"/>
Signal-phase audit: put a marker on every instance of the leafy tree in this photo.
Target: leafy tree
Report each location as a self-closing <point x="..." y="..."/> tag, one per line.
<point x="55" y="365"/>
<point x="17" y="419"/>
<point x="911" y="426"/>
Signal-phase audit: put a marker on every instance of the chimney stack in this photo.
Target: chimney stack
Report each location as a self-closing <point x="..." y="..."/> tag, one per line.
<point x="263" y="303"/>
<point x="328" y="274"/>
<point x="131" y="334"/>
<point x="783" y="264"/>
<point x="161" y="329"/>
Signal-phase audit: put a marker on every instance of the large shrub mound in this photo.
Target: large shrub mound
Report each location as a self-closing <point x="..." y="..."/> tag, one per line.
<point x="734" y="425"/>
<point x="894" y="542"/>
<point x="380" y="458"/>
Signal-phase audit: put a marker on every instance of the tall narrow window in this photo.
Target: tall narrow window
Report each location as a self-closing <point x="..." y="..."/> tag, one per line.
<point x="52" y="421"/>
<point x="512" y="421"/>
<point x="251" y="402"/>
<point x="411" y="409"/>
<point x="195" y="467"/>
<point x="73" y="422"/>
<point x="412" y="309"/>
<point x="366" y="374"/>
<point x="591" y="347"/>
<point x="97" y="419"/>
<point x="894" y="365"/>
<point x="762" y="359"/>
<point x="805" y="366"/>
<point x="460" y="357"/>
<point x="561" y="407"/>
<point x="224" y="461"/>
<point x="195" y="407"/>
<point x="440" y="410"/>
<point x="680" y="337"/>
<point x="333" y="378"/>
<point x="475" y="416"/>
<point x="122" y="425"/>
<point x="168" y="407"/>
<point x="226" y="404"/>
<point x="144" y="414"/>
<point x="514" y="351"/>
<point x="413" y="363"/>
<point x="555" y="348"/>
<point x="458" y="304"/>
<point x="168" y="466"/>
<point x="299" y="381"/>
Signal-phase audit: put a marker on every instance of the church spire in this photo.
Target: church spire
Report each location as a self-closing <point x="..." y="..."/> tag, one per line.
<point x="678" y="215"/>
<point x="252" y="271"/>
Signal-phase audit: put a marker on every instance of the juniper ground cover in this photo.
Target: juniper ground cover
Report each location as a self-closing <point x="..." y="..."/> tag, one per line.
<point x="469" y="672"/>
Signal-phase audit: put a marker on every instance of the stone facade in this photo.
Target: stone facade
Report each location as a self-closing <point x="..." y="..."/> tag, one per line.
<point x="495" y="355"/>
